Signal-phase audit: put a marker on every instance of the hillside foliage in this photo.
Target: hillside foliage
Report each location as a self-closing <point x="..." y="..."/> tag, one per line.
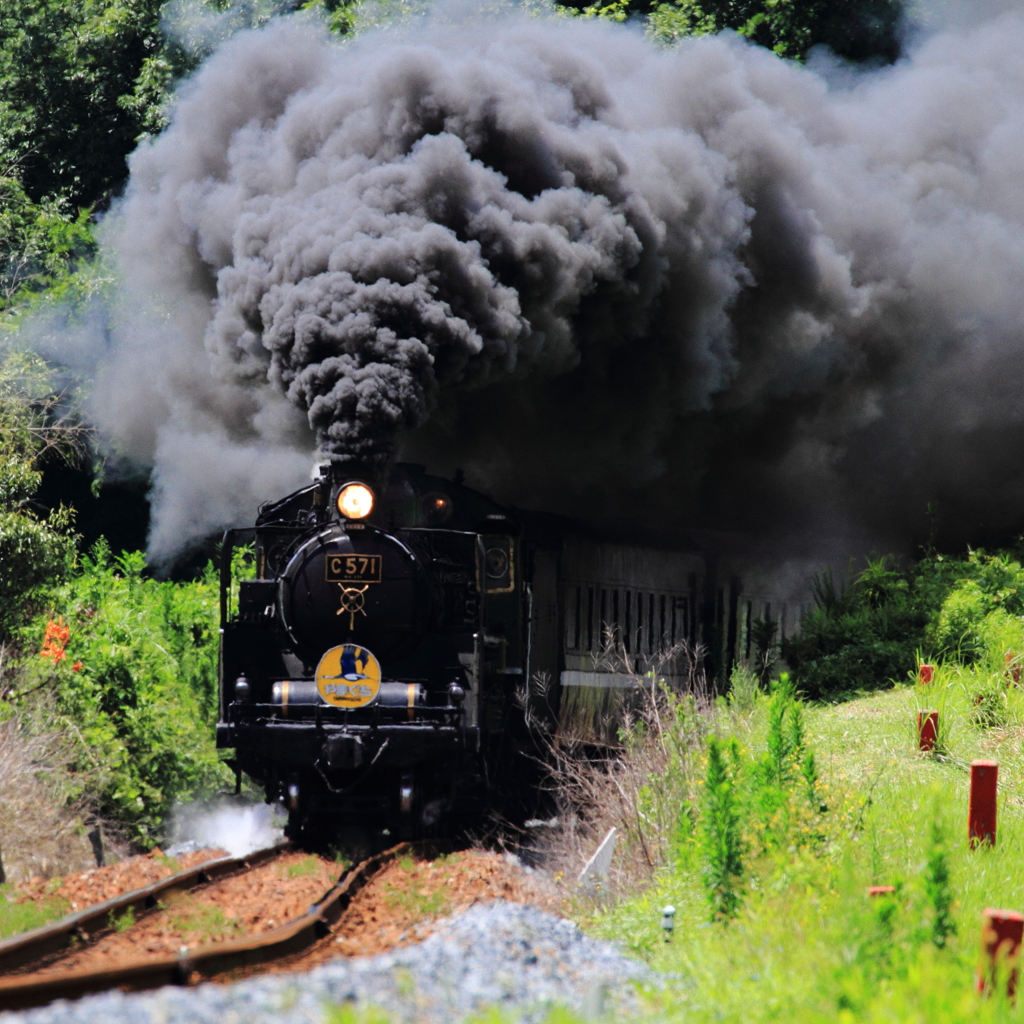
<point x="82" y="81"/>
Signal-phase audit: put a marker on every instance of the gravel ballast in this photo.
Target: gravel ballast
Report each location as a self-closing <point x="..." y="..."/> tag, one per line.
<point x="500" y="954"/>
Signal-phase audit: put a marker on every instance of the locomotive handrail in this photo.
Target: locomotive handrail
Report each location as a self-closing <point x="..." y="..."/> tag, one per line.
<point x="296" y="712"/>
<point x="227" y="547"/>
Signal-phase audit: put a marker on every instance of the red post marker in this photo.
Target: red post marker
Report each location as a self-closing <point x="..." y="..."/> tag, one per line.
<point x="1001" y="934"/>
<point x="981" y="814"/>
<point x="927" y="729"/>
<point x="925" y="674"/>
<point x="1012" y="666"/>
<point x="881" y="890"/>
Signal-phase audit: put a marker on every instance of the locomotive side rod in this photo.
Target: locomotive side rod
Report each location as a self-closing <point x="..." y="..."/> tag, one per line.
<point x="51" y="939"/>
<point x="205" y="963"/>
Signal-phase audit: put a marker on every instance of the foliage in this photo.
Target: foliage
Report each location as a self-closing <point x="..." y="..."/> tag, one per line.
<point x="136" y="683"/>
<point x="857" y="30"/>
<point x="22" y="915"/>
<point x="68" y="71"/>
<point x="764" y="633"/>
<point x="720" y="830"/>
<point x="81" y="81"/>
<point x="981" y="611"/>
<point x="808" y="944"/>
<point x="743" y="689"/>
<point x="960" y="610"/>
<point x="34" y="550"/>
<point x="937" y="885"/>
<point x="122" y="922"/>
<point x="868" y="635"/>
<point x="341" y="16"/>
<point x="201" y="922"/>
<point x="786" y="764"/>
<point x="39" y="244"/>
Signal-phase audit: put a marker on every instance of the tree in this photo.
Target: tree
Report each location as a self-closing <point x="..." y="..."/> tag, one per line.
<point x="38" y="244"/>
<point x="857" y="30"/>
<point x="35" y="550"/>
<point x="68" y="72"/>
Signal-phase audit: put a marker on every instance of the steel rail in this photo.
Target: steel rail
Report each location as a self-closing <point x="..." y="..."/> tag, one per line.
<point x="83" y="925"/>
<point x="206" y="962"/>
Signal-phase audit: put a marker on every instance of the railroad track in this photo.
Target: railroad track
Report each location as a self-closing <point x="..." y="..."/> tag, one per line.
<point x="30" y="954"/>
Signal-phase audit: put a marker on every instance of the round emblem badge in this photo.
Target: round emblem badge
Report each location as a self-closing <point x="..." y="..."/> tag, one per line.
<point x="348" y="676"/>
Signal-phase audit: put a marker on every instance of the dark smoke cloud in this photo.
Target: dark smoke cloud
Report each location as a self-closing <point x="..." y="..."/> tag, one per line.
<point x="560" y="257"/>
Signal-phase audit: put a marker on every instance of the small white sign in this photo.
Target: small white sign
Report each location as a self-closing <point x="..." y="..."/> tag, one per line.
<point x="600" y="864"/>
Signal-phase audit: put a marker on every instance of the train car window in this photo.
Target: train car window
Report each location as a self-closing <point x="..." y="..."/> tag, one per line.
<point x="628" y="617"/>
<point x="639" y="623"/>
<point x="651" y="649"/>
<point x="680" y="624"/>
<point x="616" y="620"/>
<point x="604" y="617"/>
<point x="662" y="633"/>
<point x="576" y="623"/>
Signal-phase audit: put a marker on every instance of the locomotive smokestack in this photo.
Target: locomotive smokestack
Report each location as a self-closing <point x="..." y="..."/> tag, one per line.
<point x="697" y="287"/>
<point x="341" y="471"/>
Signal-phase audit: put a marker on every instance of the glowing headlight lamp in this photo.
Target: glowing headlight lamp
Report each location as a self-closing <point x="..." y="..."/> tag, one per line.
<point x="355" y="501"/>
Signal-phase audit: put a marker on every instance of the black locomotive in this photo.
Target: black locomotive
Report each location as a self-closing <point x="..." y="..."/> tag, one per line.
<point x="396" y="655"/>
<point x="373" y="671"/>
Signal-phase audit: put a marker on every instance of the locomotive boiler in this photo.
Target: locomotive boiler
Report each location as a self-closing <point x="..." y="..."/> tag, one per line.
<point x="393" y="654"/>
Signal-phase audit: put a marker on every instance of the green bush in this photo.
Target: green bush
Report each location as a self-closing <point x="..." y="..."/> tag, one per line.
<point x="867" y="636"/>
<point x="131" y="665"/>
<point x="980" y="617"/>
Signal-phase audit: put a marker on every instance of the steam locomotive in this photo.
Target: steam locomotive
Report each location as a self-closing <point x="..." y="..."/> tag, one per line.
<point x="394" y="658"/>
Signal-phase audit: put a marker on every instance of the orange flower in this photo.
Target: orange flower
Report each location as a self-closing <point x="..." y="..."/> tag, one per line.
<point x="77" y="667"/>
<point x="55" y="639"/>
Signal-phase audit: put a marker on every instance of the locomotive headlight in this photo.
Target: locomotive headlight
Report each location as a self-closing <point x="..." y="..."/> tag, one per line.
<point x="355" y="501"/>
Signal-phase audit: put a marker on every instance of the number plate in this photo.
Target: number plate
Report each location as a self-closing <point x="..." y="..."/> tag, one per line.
<point x="354" y="568"/>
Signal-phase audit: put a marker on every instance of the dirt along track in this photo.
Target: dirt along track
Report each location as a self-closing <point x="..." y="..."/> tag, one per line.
<point x="84" y="888"/>
<point x="289" y="912"/>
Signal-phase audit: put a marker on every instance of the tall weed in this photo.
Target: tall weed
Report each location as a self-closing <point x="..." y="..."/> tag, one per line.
<point x="647" y="787"/>
<point x="721" y="830"/>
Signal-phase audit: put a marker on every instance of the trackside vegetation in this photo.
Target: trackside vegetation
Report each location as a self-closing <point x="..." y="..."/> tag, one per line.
<point x="802" y="940"/>
<point x="115" y="667"/>
<point x="962" y="610"/>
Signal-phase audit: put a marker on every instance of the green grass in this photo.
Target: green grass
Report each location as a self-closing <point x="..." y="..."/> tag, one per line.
<point x="304" y="868"/>
<point x="170" y="863"/>
<point x="197" y="921"/>
<point x="808" y="944"/>
<point x="23" y="917"/>
<point x="419" y="898"/>
<point x="122" y="922"/>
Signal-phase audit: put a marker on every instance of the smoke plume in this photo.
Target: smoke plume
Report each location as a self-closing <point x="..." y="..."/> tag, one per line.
<point x="698" y="286"/>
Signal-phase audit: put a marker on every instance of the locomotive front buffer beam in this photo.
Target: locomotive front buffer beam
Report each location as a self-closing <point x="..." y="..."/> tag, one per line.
<point x="297" y="745"/>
